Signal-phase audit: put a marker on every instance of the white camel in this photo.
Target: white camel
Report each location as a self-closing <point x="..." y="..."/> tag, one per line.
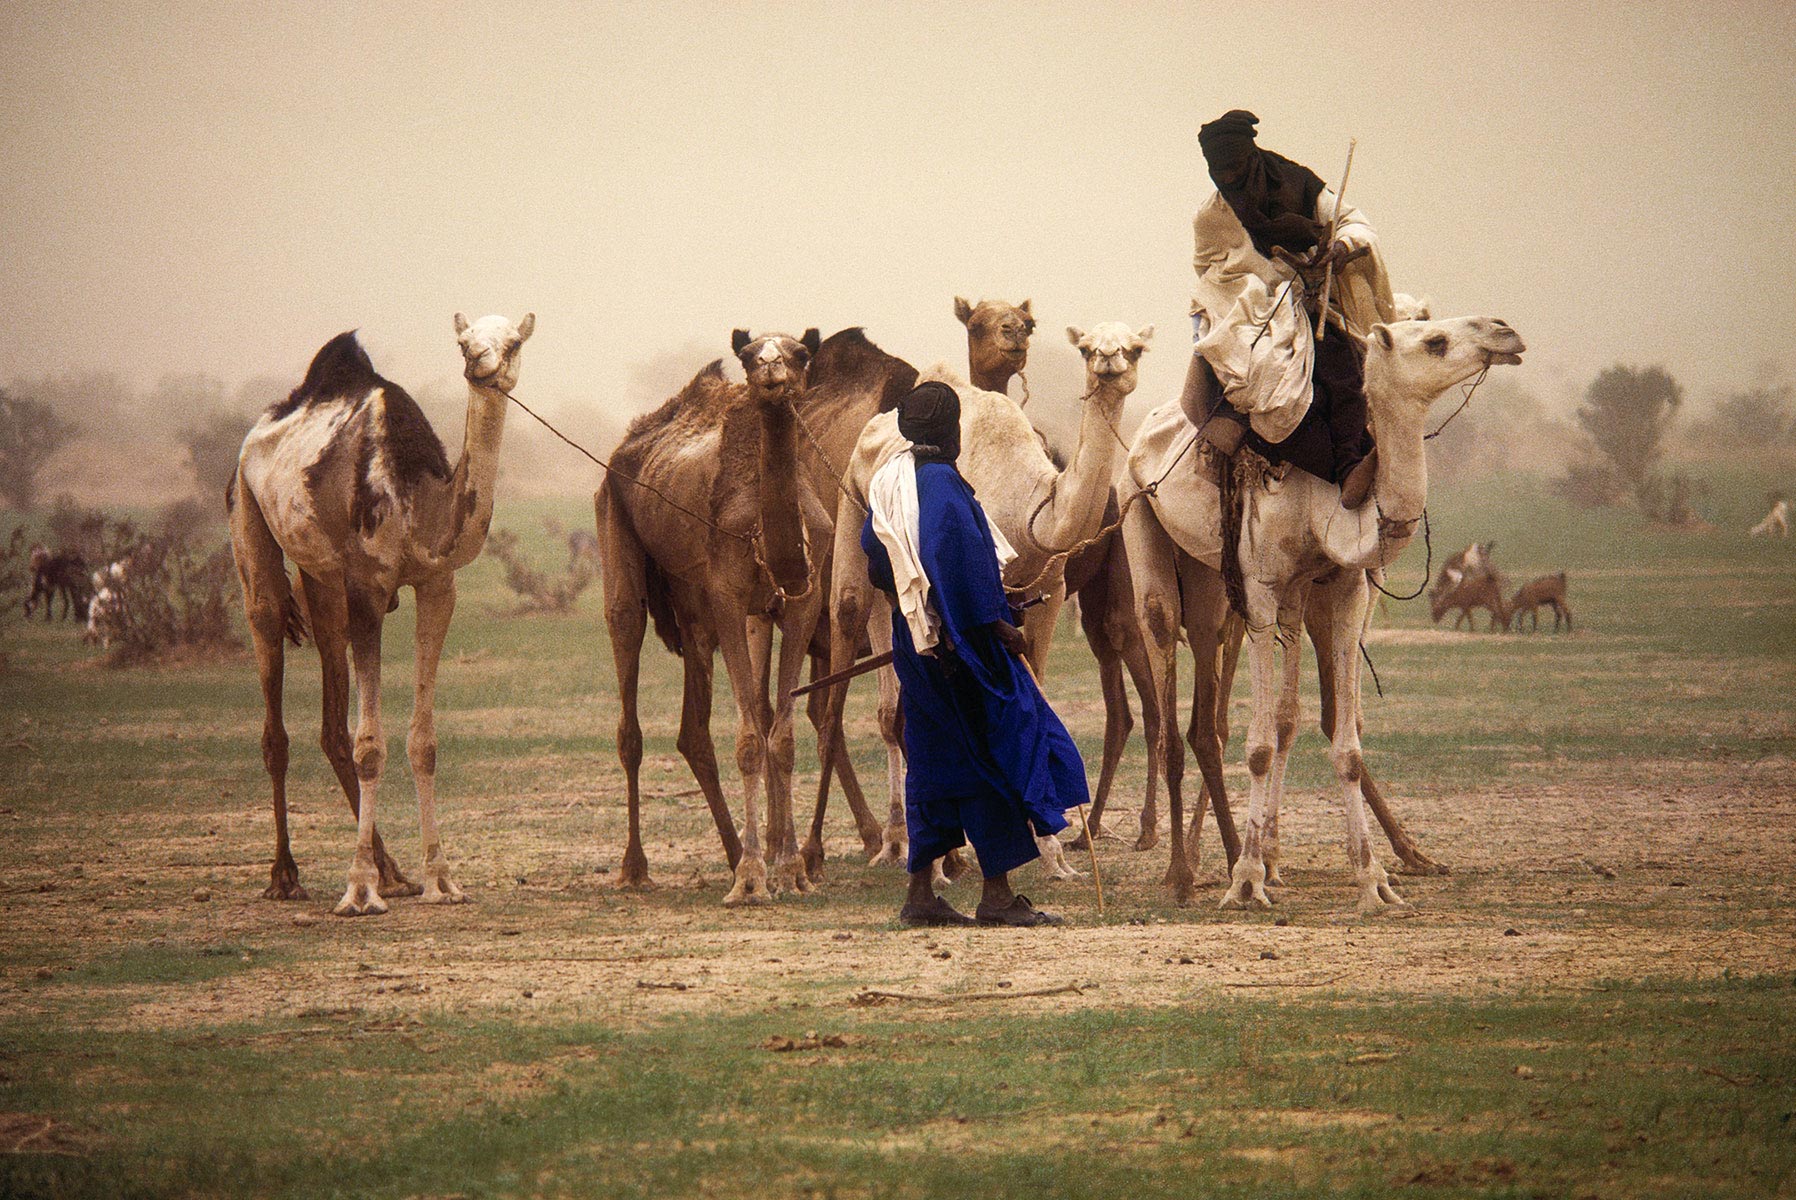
<point x="1043" y="512"/>
<point x="1299" y="549"/>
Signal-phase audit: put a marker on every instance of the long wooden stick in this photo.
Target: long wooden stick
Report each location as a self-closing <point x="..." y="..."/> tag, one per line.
<point x="1334" y="226"/>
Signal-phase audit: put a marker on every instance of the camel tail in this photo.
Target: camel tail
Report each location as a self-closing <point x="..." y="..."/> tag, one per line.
<point x="297" y="625"/>
<point x="660" y="605"/>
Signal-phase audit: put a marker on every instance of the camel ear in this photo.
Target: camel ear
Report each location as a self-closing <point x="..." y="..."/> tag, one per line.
<point x="1074" y="334"/>
<point x="526" y="327"/>
<point x="461" y="324"/>
<point x="811" y="340"/>
<point x="1145" y="334"/>
<point x="1382" y="333"/>
<point x="739" y="339"/>
<point x="963" y="312"/>
<point x="1024" y="309"/>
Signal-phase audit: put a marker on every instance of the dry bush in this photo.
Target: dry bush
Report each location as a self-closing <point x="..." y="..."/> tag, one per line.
<point x="15" y="582"/>
<point x="175" y="596"/>
<point x="537" y="592"/>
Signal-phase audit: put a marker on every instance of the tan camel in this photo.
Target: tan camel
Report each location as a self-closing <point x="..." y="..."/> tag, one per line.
<point x="720" y="577"/>
<point x="1301" y="551"/>
<point x="997" y="341"/>
<point x="346" y="478"/>
<point x="1042" y="511"/>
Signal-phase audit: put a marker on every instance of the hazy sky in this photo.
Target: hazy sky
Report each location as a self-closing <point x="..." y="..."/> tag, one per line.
<point x="223" y="187"/>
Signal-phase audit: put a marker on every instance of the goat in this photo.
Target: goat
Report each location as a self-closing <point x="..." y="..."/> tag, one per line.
<point x="1548" y="590"/>
<point x="61" y="574"/>
<point x="107" y="605"/>
<point x="1477" y="591"/>
<point x="1776" y="522"/>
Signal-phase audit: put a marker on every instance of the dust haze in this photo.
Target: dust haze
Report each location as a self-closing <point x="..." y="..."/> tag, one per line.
<point x="199" y="195"/>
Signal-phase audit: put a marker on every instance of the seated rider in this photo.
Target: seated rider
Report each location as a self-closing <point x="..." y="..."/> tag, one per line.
<point x="1260" y="259"/>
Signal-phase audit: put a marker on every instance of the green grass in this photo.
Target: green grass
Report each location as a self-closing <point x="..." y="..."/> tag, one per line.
<point x="1635" y="1089"/>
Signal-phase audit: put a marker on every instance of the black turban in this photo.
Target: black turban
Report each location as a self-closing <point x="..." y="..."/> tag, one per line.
<point x="930" y="418"/>
<point x="1274" y="197"/>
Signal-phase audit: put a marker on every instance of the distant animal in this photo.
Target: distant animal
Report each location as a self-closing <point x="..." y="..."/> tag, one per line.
<point x="1776" y="522"/>
<point x="107" y="606"/>
<point x="61" y="574"/>
<point x="582" y="544"/>
<point x="1474" y="591"/>
<point x="1548" y="590"/>
<point x="1473" y="560"/>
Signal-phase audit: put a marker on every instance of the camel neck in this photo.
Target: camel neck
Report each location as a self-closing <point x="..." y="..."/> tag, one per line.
<point x="1401" y="480"/>
<point x="1081" y="490"/>
<point x="782" y="521"/>
<point x="471" y="486"/>
<point x="996" y="379"/>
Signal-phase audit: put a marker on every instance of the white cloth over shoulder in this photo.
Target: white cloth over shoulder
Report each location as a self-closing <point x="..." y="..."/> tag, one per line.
<point x="1237" y="289"/>
<point x="892" y="502"/>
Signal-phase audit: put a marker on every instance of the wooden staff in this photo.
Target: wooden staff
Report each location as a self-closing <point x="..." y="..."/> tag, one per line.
<point x="1334" y="225"/>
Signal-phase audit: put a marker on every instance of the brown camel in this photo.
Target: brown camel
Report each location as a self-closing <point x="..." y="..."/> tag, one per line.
<point x="705" y="527"/>
<point x="997" y="342"/>
<point x="346" y="478"/>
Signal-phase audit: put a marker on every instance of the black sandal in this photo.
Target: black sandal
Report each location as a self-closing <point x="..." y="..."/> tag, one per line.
<point x="937" y="912"/>
<point x="1019" y="913"/>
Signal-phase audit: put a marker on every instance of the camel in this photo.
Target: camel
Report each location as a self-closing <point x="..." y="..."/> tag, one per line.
<point x="997" y="342"/>
<point x="1042" y="511"/>
<point x="1293" y="534"/>
<point x="347" y="479"/>
<point x="1548" y="590"/>
<point x="1775" y="524"/>
<point x="705" y="527"/>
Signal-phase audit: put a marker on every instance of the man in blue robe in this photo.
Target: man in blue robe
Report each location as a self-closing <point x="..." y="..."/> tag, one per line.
<point x="986" y="758"/>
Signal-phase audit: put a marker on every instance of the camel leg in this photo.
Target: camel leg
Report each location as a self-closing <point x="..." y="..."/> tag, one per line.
<point x="1205" y="612"/>
<point x="362" y="896"/>
<point x="1414" y="860"/>
<point x="436" y="605"/>
<point x="1228" y="661"/>
<point x="895" y="839"/>
<point x="266" y="595"/>
<point x="850" y="599"/>
<point x="626" y="621"/>
<point x="327" y="606"/>
<point x="797" y="624"/>
<point x="1154" y="576"/>
<point x="1247" y="880"/>
<point x="734" y="640"/>
<point x="1039" y="624"/>
<point x="823" y="709"/>
<point x="1346" y="602"/>
<point x="1285" y="732"/>
<point x="694" y="741"/>
<point x="1118" y="720"/>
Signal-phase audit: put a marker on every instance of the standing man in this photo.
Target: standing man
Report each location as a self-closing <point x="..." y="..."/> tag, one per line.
<point x="986" y="759"/>
<point x="1260" y="259"/>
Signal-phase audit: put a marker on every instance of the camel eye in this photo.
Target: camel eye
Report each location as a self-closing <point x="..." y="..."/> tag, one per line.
<point x="1436" y="344"/>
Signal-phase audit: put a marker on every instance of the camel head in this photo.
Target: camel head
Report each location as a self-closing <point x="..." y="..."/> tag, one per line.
<point x="1414" y="362"/>
<point x="777" y="366"/>
<point x="997" y="335"/>
<point x="489" y="349"/>
<point x="1111" y="351"/>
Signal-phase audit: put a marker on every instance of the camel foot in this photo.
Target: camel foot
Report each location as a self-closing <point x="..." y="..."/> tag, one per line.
<point x="787" y="873"/>
<point x="1179" y="882"/>
<point x="1417" y="863"/>
<point x="283" y="883"/>
<point x="1247" y="887"/>
<point x="393" y="881"/>
<point x="439" y="888"/>
<point x="872" y="841"/>
<point x="751" y="883"/>
<point x="1376" y="894"/>
<point x="1093" y="833"/>
<point x="633" y="872"/>
<point x="1150" y="837"/>
<point x="1273" y="877"/>
<point x="894" y="848"/>
<point x="811" y="854"/>
<point x="1053" y="859"/>
<point x="362" y="898"/>
<point x="952" y="866"/>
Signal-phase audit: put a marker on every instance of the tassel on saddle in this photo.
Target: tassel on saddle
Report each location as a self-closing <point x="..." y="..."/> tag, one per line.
<point x="1239" y="476"/>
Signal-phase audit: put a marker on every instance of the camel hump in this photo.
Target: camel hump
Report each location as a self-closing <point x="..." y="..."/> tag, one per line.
<point x="340" y="368"/>
<point x="848" y="359"/>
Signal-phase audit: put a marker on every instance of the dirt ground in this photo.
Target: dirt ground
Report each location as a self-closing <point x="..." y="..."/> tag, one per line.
<point x="1619" y="871"/>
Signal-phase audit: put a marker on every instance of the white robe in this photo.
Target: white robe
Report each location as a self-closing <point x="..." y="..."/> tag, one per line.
<point x="1237" y="289"/>
<point x="892" y="502"/>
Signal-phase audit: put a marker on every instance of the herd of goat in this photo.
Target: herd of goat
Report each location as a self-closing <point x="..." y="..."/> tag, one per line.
<point x="1469" y="580"/>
